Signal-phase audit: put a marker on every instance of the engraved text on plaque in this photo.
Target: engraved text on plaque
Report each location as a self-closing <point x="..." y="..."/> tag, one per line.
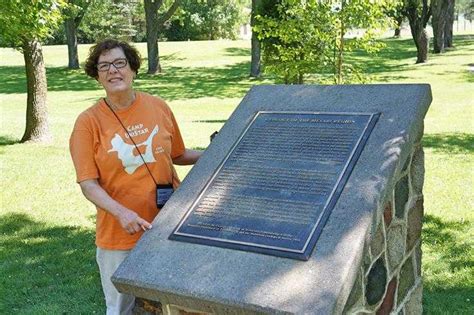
<point x="275" y="189"/>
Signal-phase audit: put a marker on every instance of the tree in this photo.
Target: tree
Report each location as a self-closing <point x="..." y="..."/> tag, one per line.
<point x="205" y="20"/>
<point x="255" y="62"/>
<point x="290" y="48"/>
<point x="154" y="22"/>
<point x="357" y="14"/>
<point x="466" y="7"/>
<point x="74" y="12"/>
<point x="418" y="13"/>
<point x="112" y="19"/>
<point x="394" y="10"/>
<point x="309" y="37"/>
<point x="448" y="28"/>
<point x="292" y="44"/>
<point x="23" y="24"/>
<point x="439" y="11"/>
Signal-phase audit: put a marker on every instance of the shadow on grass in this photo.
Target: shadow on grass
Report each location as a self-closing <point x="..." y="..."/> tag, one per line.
<point x="169" y="57"/>
<point x="237" y="51"/>
<point x="7" y="140"/>
<point x="175" y="83"/>
<point x="13" y="79"/>
<point x="47" y="269"/>
<point x="449" y="142"/>
<point x="397" y="56"/>
<point x="458" y="300"/>
<point x="469" y="73"/>
<point x="59" y="79"/>
<point x="440" y="236"/>
<point x="188" y="83"/>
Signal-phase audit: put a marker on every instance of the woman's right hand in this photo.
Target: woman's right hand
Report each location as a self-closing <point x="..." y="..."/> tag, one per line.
<point x="129" y="219"/>
<point x="131" y="222"/>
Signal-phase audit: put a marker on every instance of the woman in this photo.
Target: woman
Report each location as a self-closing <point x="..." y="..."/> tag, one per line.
<point x="123" y="149"/>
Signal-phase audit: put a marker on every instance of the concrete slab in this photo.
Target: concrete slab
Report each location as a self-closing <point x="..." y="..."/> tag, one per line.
<point x="227" y="281"/>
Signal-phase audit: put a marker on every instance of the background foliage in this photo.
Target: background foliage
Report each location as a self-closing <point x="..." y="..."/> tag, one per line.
<point x="21" y="20"/>
<point x="194" y="20"/>
<point x="206" y="20"/>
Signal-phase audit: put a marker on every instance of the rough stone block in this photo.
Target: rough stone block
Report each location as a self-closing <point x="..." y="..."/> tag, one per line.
<point x="419" y="134"/>
<point x="367" y="260"/>
<point x="407" y="279"/>
<point x="376" y="281"/>
<point x="147" y="307"/>
<point x="417" y="171"/>
<point x="401" y="197"/>
<point x="395" y="245"/>
<point x="389" y="299"/>
<point x="414" y="223"/>
<point x="414" y="305"/>
<point x="388" y="213"/>
<point x="406" y="164"/>
<point x="377" y="243"/>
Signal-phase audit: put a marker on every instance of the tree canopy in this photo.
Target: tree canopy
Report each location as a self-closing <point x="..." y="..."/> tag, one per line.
<point x="108" y="18"/>
<point x="22" y="20"/>
<point x="211" y="19"/>
<point x="193" y="20"/>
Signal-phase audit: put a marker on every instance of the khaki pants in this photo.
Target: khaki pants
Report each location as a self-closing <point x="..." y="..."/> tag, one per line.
<point x="108" y="261"/>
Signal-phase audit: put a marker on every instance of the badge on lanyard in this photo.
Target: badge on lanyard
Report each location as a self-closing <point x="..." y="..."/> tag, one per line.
<point x="163" y="194"/>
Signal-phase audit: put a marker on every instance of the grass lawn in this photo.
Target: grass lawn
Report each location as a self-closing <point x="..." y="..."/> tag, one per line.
<point x="47" y="252"/>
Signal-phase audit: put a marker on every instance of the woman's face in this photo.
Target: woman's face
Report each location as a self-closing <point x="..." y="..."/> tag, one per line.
<point x="117" y="79"/>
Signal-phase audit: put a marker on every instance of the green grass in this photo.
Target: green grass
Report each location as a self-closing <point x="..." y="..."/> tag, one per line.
<point x="47" y="227"/>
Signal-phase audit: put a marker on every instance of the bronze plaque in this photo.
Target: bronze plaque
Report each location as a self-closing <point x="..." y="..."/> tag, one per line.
<point x="276" y="188"/>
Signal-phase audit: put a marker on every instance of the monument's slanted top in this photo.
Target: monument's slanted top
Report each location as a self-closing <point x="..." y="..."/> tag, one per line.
<point x="225" y="280"/>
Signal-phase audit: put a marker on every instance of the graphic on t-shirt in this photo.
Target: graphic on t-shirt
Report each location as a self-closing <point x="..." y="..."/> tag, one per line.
<point x="129" y="160"/>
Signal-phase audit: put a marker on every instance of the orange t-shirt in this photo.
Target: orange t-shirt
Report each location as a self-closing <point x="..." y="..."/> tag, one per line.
<point x="101" y="149"/>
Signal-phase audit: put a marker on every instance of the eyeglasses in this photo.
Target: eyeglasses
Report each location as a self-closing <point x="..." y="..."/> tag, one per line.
<point x="118" y="63"/>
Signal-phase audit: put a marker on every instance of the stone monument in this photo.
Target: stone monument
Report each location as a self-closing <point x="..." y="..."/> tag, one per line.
<point x="309" y="201"/>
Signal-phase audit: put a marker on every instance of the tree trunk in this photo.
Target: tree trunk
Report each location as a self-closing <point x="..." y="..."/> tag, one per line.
<point x="422" y="47"/>
<point x="420" y="37"/>
<point x="71" y="38"/>
<point x="399" y="21"/>
<point x="256" y="56"/>
<point x="448" y="28"/>
<point x="397" y="32"/>
<point x="340" y="55"/>
<point x="151" y="16"/>
<point x="153" y="24"/>
<point x="438" y="21"/>
<point x="37" y="128"/>
<point x="255" y="64"/>
<point x="417" y="28"/>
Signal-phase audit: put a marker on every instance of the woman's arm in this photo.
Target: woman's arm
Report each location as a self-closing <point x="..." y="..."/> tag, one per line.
<point x="189" y="157"/>
<point x="129" y="219"/>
